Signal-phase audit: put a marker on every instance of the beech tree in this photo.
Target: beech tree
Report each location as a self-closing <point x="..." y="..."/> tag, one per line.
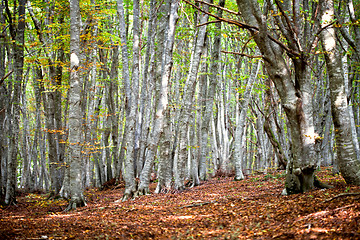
<point x="17" y="34"/>
<point x="347" y="160"/>
<point x="75" y="185"/>
<point x="175" y="91"/>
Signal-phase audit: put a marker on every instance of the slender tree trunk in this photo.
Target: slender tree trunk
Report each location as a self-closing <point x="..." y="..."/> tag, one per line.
<point x="349" y="165"/>
<point x="131" y="108"/>
<point x="75" y="117"/>
<point x="213" y="79"/>
<point x="162" y="103"/>
<point x="187" y="100"/>
<point x="14" y="116"/>
<point x="242" y="120"/>
<point x="3" y="106"/>
<point x="148" y="85"/>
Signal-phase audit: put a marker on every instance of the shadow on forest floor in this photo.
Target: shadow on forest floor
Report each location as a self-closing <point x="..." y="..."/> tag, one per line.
<point x="218" y="209"/>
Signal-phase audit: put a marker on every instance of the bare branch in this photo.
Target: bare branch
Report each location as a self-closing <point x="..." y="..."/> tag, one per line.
<point x="342" y="195"/>
<point x="210" y="22"/>
<point x="244" y="55"/>
<point x="4" y="77"/>
<point x="218" y="7"/>
<point x="237" y="23"/>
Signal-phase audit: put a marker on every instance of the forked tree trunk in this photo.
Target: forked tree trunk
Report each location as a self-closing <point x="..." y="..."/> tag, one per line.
<point x="295" y="95"/>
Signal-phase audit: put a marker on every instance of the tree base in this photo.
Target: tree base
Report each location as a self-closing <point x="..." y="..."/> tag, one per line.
<point x="75" y="203"/>
<point x="128" y="194"/>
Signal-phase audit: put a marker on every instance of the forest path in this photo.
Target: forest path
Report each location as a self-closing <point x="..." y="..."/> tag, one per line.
<point x="218" y="209"/>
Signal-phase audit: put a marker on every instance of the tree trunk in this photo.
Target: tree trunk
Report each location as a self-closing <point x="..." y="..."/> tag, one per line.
<point x="242" y="120"/>
<point x="75" y="116"/>
<point x="162" y="103"/>
<point x="131" y="108"/>
<point x="14" y="115"/>
<point x="188" y="100"/>
<point x="295" y="95"/>
<point x="349" y="165"/>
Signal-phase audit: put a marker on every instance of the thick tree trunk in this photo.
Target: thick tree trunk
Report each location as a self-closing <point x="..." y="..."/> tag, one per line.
<point x="165" y="160"/>
<point x="295" y="95"/>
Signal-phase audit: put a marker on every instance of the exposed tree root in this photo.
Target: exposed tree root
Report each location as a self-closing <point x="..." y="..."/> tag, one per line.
<point x="75" y="203"/>
<point x="319" y="184"/>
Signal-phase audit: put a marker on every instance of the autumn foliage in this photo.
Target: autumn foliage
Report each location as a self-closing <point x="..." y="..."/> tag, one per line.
<point x="217" y="209"/>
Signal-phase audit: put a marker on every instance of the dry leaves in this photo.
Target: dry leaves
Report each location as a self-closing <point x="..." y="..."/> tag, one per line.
<point x="219" y="208"/>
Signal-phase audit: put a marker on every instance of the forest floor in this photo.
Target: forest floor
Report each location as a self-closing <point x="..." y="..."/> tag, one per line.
<point x="217" y="209"/>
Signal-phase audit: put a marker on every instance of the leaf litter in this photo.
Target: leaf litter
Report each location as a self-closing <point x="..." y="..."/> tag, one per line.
<point x="217" y="209"/>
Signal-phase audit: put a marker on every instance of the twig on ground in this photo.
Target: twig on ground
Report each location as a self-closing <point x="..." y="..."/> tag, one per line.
<point x="197" y="204"/>
<point x="342" y="195"/>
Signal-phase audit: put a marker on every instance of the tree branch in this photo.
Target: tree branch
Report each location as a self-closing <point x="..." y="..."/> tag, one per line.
<point x="237" y="23"/>
<point x="342" y="195"/>
<point x="4" y="77"/>
<point x="244" y="55"/>
<point x="218" y="7"/>
<point x="210" y="22"/>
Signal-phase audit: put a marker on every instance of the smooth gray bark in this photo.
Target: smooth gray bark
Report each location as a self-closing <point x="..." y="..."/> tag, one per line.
<point x="14" y="108"/>
<point x="162" y="103"/>
<point x="295" y="93"/>
<point x="349" y="165"/>
<point x="75" y="116"/>
<point x="238" y="145"/>
<point x="148" y="84"/>
<point x="189" y="91"/>
<point x="131" y="109"/>
<point x="213" y="79"/>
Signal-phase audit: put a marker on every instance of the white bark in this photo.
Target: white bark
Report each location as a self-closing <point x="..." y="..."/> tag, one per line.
<point x="75" y="116"/>
<point x="187" y="102"/>
<point x="162" y="101"/>
<point x="242" y="120"/>
<point x="349" y="165"/>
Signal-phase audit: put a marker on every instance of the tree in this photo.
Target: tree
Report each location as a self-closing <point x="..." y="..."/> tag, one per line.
<point x="17" y="33"/>
<point x="295" y="92"/>
<point x="75" y="117"/>
<point x="348" y="163"/>
<point x="162" y="103"/>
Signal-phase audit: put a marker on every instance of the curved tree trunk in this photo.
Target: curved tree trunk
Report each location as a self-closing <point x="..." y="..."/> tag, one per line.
<point x="295" y="95"/>
<point x="349" y="165"/>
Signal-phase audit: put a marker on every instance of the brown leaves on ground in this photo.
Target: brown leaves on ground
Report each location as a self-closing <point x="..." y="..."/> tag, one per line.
<point x="218" y="209"/>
